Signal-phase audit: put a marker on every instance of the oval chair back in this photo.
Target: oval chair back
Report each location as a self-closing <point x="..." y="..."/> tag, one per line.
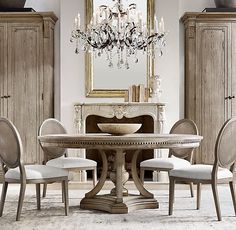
<point x="10" y="144"/>
<point x="225" y="150"/>
<point x="183" y="126"/>
<point x="52" y="126"/>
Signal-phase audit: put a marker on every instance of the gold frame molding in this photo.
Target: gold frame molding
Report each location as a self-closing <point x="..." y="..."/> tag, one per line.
<point x="89" y="88"/>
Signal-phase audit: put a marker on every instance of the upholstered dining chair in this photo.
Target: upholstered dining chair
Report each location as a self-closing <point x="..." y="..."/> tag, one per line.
<point x="220" y="172"/>
<point x="14" y="171"/>
<point x="177" y="157"/>
<point x="57" y="157"/>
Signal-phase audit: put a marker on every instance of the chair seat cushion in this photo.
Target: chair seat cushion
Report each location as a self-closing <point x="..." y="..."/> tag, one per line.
<point x="200" y="171"/>
<point x="37" y="172"/>
<point x="71" y="163"/>
<point x="165" y="163"/>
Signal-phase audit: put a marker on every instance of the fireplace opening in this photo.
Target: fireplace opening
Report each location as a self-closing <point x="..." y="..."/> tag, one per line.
<point x="147" y="127"/>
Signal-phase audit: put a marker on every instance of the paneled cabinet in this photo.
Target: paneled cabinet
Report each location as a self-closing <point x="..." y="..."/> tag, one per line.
<point x="210" y="75"/>
<point x="26" y="74"/>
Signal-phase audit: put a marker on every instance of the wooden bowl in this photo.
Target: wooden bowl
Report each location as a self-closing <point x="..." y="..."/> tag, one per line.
<point x="119" y="128"/>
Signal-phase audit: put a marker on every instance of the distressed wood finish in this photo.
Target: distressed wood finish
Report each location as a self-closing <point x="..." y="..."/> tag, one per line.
<point x="24" y="88"/>
<point x="3" y="68"/>
<point x="26" y="74"/>
<point x="120" y="200"/>
<point x="210" y="54"/>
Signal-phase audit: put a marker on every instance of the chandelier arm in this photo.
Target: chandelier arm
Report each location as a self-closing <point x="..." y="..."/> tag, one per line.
<point x="91" y="44"/>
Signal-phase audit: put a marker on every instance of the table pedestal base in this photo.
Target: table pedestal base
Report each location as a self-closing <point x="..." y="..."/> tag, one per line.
<point x="116" y="202"/>
<point x="109" y="203"/>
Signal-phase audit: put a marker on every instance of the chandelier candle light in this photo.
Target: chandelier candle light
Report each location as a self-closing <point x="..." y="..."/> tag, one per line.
<point x="119" y="31"/>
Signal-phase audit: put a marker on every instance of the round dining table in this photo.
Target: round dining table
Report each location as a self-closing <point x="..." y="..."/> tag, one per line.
<point x="119" y="200"/>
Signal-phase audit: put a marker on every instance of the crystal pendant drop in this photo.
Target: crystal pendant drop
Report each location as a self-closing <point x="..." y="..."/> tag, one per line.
<point x="77" y="50"/>
<point x="110" y="64"/>
<point x="119" y="65"/>
<point x="126" y="65"/>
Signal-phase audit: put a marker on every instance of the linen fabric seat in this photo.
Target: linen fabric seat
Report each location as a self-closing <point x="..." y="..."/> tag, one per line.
<point x="71" y="163"/>
<point x="177" y="157"/>
<point x="202" y="172"/>
<point x="15" y="172"/>
<point x="221" y="172"/>
<point x="36" y="172"/>
<point x="165" y="163"/>
<point x="58" y="157"/>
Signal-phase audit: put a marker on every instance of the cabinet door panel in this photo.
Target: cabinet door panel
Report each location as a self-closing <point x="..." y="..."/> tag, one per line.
<point x="3" y="70"/>
<point x="25" y="72"/>
<point x="233" y="74"/>
<point x="213" y="76"/>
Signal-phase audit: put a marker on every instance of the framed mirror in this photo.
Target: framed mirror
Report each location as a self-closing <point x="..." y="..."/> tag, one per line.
<point x="104" y="81"/>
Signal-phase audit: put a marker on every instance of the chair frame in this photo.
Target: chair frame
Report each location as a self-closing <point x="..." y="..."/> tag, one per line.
<point x="213" y="181"/>
<point x="188" y="156"/>
<point x="47" y="154"/>
<point x="23" y="180"/>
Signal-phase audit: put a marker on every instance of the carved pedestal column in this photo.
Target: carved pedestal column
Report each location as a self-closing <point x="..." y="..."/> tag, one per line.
<point x="119" y="173"/>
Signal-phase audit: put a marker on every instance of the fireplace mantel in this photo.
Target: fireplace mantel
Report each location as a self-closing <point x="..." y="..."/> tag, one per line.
<point x="119" y="111"/>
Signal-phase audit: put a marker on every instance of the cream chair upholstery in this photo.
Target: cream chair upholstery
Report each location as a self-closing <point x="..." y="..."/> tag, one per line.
<point x="178" y="158"/>
<point x="220" y="172"/>
<point x="164" y="163"/>
<point x="57" y="157"/>
<point x="15" y="172"/>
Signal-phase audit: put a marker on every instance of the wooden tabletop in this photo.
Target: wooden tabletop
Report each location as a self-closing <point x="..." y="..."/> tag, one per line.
<point x="131" y="141"/>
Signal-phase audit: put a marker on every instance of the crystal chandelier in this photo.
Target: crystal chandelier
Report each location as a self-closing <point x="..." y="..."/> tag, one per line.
<point x="119" y="32"/>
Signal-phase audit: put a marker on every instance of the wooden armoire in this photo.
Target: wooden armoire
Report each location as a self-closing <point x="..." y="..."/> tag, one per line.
<point x="210" y="75"/>
<point x="27" y="75"/>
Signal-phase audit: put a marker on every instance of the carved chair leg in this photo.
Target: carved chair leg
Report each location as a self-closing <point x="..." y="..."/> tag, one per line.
<point x="66" y="199"/>
<point x="191" y="189"/>
<point x="94" y="177"/>
<point x="3" y="197"/>
<point x="38" y="196"/>
<point x="171" y="194"/>
<point x="199" y="192"/>
<point x="216" y="199"/>
<point x="21" y="199"/>
<point x="44" y="189"/>
<point x="142" y="175"/>
<point x="232" y="189"/>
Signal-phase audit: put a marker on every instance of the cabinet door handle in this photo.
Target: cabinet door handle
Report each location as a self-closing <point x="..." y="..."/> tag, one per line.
<point x="229" y="97"/>
<point x="5" y="96"/>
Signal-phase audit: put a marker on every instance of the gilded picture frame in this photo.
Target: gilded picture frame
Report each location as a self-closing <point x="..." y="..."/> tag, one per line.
<point x="90" y="90"/>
